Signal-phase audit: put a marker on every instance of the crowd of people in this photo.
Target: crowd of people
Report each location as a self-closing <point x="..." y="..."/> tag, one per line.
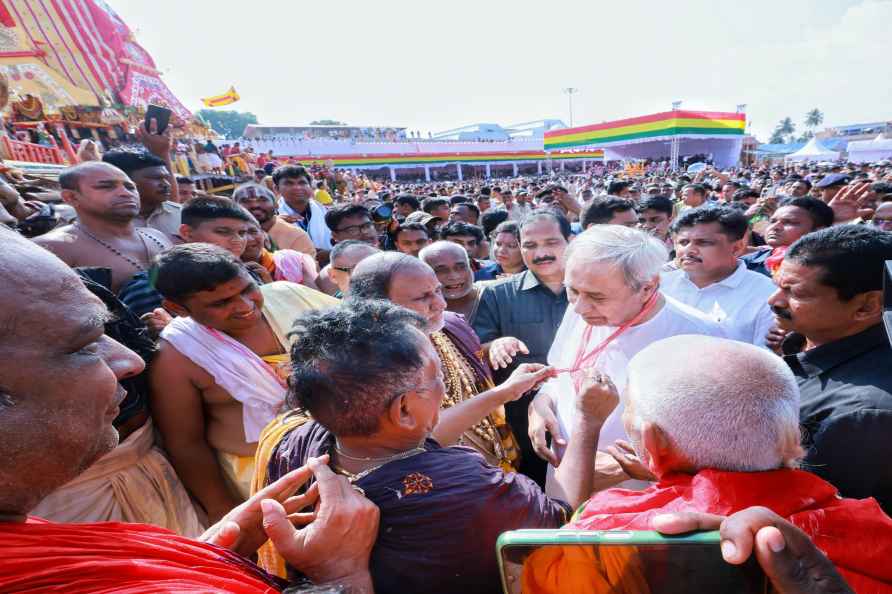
<point x="324" y="380"/>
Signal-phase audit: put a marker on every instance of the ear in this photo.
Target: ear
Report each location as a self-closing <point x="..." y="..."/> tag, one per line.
<point x="186" y="233"/>
<point x="69" y="197"/>
<point x="401" y="412"/>
<point x="739" y="246"/>
<point x="871" y="306"/>
<point x="658" y="449"/>
<point x="174" y="307"/>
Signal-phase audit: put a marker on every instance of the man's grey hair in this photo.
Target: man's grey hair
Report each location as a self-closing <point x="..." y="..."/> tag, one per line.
<point x="639" y="255"/>
<point x="253" y="188"/>
<point x="722" y="404"/>
<point x="442" y="246"/>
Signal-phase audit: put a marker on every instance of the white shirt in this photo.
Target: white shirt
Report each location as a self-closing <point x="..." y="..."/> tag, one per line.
<point x="673" y="319"/>
<point x="739" y="302"/>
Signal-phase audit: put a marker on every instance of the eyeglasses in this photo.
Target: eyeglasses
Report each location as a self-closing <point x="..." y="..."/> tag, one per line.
<point x="357" y="229"/>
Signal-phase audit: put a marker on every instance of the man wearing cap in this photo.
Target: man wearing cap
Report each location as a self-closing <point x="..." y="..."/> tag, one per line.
<point x="831" y="185"/>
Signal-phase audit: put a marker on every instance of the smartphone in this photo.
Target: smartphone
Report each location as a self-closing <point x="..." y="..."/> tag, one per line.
<point x="628" y="561"/>
<point x="160" y="114"/>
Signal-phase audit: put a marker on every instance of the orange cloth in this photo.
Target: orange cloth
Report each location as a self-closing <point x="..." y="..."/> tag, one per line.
<point x="584" y="570"/>
<point x="854" y="533"/>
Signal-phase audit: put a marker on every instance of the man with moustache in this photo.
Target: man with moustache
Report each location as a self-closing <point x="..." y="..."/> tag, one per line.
<point x="613" y="281"/>
<point x="345" y="256"/>
<point x="712" y="279"/>
<point x="105" y="234"/>
<point x="830" y="297"/>
<point x="518" y="316"/>
<point x="452" y="265"/>
<point x="261" y="203"/>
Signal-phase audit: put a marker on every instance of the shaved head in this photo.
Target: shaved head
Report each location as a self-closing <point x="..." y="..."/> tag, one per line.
<point x="731" y="406"/>
<point x="442" y="247"/>
<point x="71" y="177"/>
<point x="372" y="277"/>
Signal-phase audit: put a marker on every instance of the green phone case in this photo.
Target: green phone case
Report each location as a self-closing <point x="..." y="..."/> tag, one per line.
<point x="525" y="538"/>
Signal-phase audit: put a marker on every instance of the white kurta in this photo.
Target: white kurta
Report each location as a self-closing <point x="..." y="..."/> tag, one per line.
<point x="673" y="319"/>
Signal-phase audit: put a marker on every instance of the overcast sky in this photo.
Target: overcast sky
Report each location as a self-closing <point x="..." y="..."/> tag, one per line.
<point x="431" y="66"/>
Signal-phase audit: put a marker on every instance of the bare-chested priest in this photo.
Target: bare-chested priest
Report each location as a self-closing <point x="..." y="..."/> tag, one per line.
<point x="104" y="235"/>
<point x="220" y="374"/>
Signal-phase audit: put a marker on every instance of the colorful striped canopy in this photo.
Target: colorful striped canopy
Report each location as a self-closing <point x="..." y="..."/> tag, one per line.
<point x="658" y="126"/>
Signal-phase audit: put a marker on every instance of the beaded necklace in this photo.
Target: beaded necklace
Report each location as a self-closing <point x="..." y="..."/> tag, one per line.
<point x="121" y="254"/>
<point x="460" y="386"/>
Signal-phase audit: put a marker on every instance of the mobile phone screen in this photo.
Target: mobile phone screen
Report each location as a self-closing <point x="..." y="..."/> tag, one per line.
<point x="161" y="115"/>
<point x="680" y="568"/>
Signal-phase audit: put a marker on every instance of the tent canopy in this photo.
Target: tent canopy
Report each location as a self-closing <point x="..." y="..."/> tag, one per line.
<point x="813" y="151"/>
<point x="868" y="151"/>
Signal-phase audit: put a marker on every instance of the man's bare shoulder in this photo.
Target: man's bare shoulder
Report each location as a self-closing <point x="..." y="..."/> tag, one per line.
<point x="63" y="234"/>
<point x="61" y="240"/>
<point x="174" y="365"/>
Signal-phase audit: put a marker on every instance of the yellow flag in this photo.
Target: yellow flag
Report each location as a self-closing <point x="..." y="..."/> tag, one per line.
<point x="230" y="96"/>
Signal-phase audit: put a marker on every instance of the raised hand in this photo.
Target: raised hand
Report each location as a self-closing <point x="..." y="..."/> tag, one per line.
<point x="525" y="378"/>
<point x="503" y="350"/>
<point x="597" y="397"/>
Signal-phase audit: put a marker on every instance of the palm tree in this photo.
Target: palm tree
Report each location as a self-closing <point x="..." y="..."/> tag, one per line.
<point x="814" y="118"/>
<point x="787" y="128"/>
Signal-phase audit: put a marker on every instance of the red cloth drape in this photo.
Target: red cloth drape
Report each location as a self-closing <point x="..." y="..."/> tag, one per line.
<point x="39" y="556"/>
<point x="855" y="534"/>
<point x="5" y="16"/>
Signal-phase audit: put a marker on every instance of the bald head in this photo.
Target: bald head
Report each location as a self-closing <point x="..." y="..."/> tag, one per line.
<point x="70" y="178"/>
<point x="732" y="406"/>
<point x="371" y="279"/>
<point x="58" y="375"/>
<point x="439" y="248"/>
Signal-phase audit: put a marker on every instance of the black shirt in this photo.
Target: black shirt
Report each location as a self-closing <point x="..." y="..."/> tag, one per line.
<point x="846" y="413"/>
<point x="522" y="307"/>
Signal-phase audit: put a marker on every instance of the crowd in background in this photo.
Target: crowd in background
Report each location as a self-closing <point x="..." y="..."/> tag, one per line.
<point x="663" y="332"/>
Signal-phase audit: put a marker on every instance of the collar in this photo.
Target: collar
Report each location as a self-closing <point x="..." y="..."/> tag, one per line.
<point x="734" y="280"/>
<point x="528" y="281"/>
<point x="166" y="207"/>
<point x="827" y="356"/>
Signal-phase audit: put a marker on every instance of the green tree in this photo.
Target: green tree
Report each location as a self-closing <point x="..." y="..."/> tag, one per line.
<point x="327" y="123"/>
<point x="783" y="132"/>
<point x="787" y="127"/>
<point x="814" y="118"/>
<point x="231" y="124"/>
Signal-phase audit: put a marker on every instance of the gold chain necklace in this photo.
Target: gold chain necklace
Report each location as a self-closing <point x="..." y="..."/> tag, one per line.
<point x="353" y="477"/>
<point x="461" y="385"/>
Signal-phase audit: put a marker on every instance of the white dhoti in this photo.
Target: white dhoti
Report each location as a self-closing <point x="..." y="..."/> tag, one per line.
<point x="132" y="483"/>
